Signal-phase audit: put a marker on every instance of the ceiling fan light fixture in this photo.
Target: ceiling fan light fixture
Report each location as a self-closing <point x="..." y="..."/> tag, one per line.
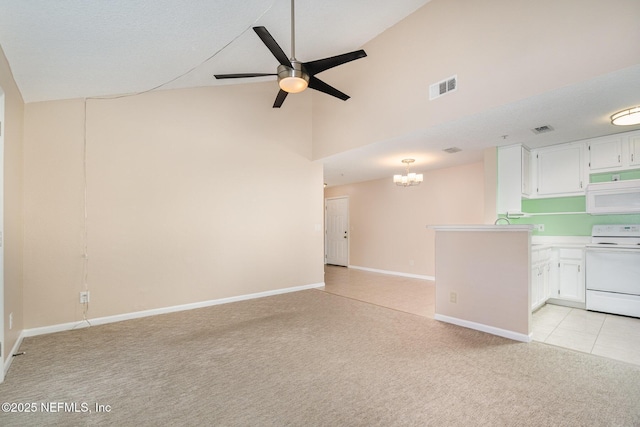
<point x="627" y="117"/>
<point x="292" y="80"/>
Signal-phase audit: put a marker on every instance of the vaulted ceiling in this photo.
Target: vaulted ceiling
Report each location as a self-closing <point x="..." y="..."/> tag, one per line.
<point x="83" y="48"/>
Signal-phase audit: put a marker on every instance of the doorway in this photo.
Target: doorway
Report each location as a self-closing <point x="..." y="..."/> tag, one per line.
<point x="336" y="226"/>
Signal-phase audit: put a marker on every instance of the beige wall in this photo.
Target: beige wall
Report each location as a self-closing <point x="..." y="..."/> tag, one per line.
<point x="192" y="195"/>
<point x="489" y="272"/>
<point x="501" y="50"/>
<point x="13" y="225"/>
<point x="388" y="223"/>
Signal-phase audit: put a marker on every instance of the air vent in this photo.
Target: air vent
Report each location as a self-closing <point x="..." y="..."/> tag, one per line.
<point x="452" y="150"/>
<point x="443" y="87"/>
<point x="542" y="129"/>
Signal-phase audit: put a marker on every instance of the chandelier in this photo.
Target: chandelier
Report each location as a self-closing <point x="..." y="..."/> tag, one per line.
<point x="410" y="179"/>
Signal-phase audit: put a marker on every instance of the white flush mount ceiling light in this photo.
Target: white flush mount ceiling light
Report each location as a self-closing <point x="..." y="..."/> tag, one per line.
<point x="410" y="179"/>
<point x="630" y="116"/>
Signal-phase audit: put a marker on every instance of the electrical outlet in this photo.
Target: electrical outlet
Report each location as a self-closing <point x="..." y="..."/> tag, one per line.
<point x="10" y="320"/>
<point x="615" y="177"/>
<point x="84" y="297"/>
<point x="453" y="297"/>
<point x="539" y="227"/>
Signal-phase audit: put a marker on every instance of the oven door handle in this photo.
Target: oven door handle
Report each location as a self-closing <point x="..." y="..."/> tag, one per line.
<point x="606" y="250"/>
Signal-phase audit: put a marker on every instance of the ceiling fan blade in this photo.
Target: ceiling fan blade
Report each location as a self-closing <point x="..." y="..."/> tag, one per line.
<point x="242" y="75"/>
<point x="317" y="84"/>
<point x="320" y="65"/>
<point x="280" y="98"/>
<point x="273" y="46"/>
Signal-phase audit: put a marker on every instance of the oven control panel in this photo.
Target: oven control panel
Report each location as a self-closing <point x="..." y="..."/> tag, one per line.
<point x="631" y="230"/>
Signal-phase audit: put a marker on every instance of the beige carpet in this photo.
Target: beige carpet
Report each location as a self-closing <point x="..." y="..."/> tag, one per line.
<point x="313" y="359"/>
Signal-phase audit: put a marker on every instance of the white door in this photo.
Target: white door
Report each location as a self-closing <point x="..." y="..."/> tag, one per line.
<point x="336" y="226"/>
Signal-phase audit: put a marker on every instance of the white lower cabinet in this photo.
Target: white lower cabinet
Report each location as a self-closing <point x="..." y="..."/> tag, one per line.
<point x="540" y="277"/>
<point x="571" y="275"/>
<point x="557" y="273"/>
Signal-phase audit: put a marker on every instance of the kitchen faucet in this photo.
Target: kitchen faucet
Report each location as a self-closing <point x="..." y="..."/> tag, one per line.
<point x="502" y="218"/>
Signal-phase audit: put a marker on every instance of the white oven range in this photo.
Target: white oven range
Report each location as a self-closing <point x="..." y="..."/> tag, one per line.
<point x="612" y="270"/>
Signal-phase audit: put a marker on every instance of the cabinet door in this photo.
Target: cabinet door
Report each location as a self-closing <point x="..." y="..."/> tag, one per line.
<point x="540" y="278"/>
<point x="634" y="151"/>
<point x="534" y="286"/>
<point x="509" y="179"/>
<point x="571" y="280"/>
<point x="526" y="172"/>
<point x="545" y="287"/>
<point x="605" y="154"/>
<point x="560" y="170"/>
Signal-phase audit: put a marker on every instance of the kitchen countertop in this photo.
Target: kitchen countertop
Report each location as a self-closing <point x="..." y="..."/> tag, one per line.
<point x="482" y="227"/>
<point x="578" y="242"/>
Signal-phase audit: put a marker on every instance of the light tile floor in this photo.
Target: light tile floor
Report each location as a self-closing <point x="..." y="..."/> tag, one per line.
<point x="606" y="335"/>
<point x="406" y="294"/>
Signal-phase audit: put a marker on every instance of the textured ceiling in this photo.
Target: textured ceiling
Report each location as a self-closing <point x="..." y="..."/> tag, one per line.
<point x="576" y="112"/>
<point x="81" y="48"/>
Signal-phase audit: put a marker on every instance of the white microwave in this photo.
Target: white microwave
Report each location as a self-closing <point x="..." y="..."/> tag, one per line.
<point x="614" y="197"/>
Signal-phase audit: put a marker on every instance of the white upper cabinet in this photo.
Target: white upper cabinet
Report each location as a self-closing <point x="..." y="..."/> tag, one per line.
<point x="634" y="150"/>
<point x="605" y="153"/>
<point x="526" y="171"/>
<point x="614" y="152"/>
<point x="560" y="170"/>
<point x="513" y="178"/>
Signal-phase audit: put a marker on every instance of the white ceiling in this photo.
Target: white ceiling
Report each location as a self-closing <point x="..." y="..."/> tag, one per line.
<point x="82" y="48"/>
<point x="575" y="112"/>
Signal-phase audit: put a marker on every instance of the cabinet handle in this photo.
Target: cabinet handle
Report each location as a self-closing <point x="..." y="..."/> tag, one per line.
<point x="618" y="158"/>
<point x="578" y="268"/>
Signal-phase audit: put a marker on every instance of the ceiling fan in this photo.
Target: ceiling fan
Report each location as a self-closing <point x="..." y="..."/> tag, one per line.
<point x="295" y="76"/>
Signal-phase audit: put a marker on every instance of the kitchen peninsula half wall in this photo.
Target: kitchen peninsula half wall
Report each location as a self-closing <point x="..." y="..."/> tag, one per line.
<point x="483" y="278"/>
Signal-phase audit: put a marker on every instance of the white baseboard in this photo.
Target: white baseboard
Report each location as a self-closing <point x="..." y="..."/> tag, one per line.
<point x="14" y="350"/>
<point x="153" y="312"/>
<point x="393" y="273"/>
<point x="485" y="328"/>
